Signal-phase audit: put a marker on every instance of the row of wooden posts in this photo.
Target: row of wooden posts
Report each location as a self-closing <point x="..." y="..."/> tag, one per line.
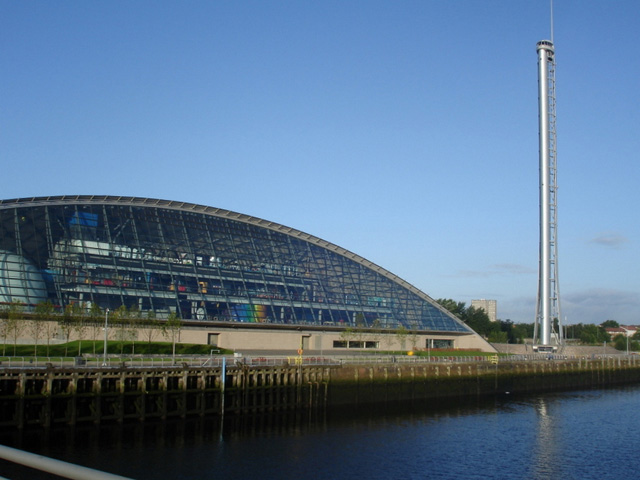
<point x="71" y="395"/>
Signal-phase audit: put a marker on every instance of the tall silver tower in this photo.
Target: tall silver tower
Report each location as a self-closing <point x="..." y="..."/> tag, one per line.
<point x="548" y="303"/>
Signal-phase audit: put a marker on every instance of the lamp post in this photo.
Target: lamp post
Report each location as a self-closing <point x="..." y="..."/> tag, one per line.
<point x="626" y="335"/>
<point x="106" y="334"/>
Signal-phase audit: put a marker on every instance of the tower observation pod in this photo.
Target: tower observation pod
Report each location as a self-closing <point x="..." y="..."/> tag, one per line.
<point x="546" y="338"/>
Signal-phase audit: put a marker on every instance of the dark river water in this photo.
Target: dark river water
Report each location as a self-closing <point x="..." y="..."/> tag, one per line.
<point x="592" y="434"/>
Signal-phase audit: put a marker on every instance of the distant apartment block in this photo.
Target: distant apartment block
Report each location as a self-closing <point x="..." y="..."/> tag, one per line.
<point x="489" y="306"/>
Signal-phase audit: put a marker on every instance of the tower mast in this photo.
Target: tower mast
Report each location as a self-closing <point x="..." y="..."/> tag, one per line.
<point x="548" y="301"/>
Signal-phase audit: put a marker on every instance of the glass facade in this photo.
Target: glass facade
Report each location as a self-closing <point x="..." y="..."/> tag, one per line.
<point x="201" y="263"/>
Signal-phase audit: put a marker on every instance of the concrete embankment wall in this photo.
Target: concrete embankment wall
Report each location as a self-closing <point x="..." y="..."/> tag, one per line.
<point x="54" y="396"/>
<point x="374" y="384"/>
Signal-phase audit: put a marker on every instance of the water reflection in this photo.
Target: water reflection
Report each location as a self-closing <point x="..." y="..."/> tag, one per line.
<point x="569" y="435"/>
<point x="545" y="455"/>
<point x="142" y="450"/>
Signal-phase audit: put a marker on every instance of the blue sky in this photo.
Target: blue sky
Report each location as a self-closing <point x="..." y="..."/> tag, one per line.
<point x="405" y="131"/>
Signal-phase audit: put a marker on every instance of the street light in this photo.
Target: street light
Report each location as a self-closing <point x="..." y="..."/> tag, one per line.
<point x="627" y="342"/>
<point x="106" y="333"/>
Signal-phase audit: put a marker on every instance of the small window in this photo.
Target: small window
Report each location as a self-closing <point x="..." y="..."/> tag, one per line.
<point x="441" y="343"/>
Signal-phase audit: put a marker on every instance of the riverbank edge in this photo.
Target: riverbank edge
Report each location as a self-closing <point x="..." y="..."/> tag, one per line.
<point x="380" y="384"/>
<point x="69" y="396"/>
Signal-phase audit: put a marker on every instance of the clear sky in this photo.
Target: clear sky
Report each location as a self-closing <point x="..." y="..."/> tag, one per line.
<point x="404" y="131"/>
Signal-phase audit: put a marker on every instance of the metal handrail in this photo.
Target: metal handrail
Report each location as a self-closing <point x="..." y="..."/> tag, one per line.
<point x="52" y="465"/>
<point x="215" y="361"/>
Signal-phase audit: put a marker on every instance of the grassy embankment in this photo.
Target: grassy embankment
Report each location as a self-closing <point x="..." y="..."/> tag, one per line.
<point x="88" y="347"/>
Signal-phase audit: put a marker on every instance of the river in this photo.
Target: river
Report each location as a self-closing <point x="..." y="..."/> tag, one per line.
<point x="570" y="435"/>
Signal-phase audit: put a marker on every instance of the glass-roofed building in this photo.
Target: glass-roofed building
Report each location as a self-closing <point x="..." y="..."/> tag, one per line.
<point x="221" y="272"/>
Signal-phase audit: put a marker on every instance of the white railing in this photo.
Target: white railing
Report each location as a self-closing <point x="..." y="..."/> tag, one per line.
<point x="215" y="361"/>
<point x="57" y="467"/>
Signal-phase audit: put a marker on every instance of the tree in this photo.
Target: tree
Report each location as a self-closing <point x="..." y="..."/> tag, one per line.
<point x="376" y="336"/>
<point x="388" y="341"/>
<point x="347" y="335"/>
<point x="44" y="312"/>
<point x="171" y="331"/>
<point x="66" y="324"/>
<point x="134" y="323"/>
<point x="520" y="331"/>
<point x="413" y="339"/>
<point x="498" y="337"/>
<point x="593" y="335"/>
<point x="610" y="324"/>
<point x="150" y="326"/>
<point x="80" y="326"/>
<point x="96" y="323"/>
<point x="457" y="308"/>
<point x="620" y="342"/>
<point x="478" y="320"/>
<point x="15" y="323"/>
<point x="4" y="333"/>
<point x="121" y="322"/>
<point x="401" y="334"/>
<point x="516" y="333"/>
<point x="35" y="329"/>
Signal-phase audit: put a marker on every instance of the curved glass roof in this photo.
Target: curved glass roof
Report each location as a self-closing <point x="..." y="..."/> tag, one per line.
<point x="202" y="263"/>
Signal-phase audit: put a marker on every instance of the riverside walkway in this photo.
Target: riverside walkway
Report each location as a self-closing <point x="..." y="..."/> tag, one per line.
<point x="270" y="359"/>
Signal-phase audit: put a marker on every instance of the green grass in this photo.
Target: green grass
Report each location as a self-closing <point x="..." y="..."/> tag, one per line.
<point x="88" y="347"/>
<point x="454" y="353"/>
